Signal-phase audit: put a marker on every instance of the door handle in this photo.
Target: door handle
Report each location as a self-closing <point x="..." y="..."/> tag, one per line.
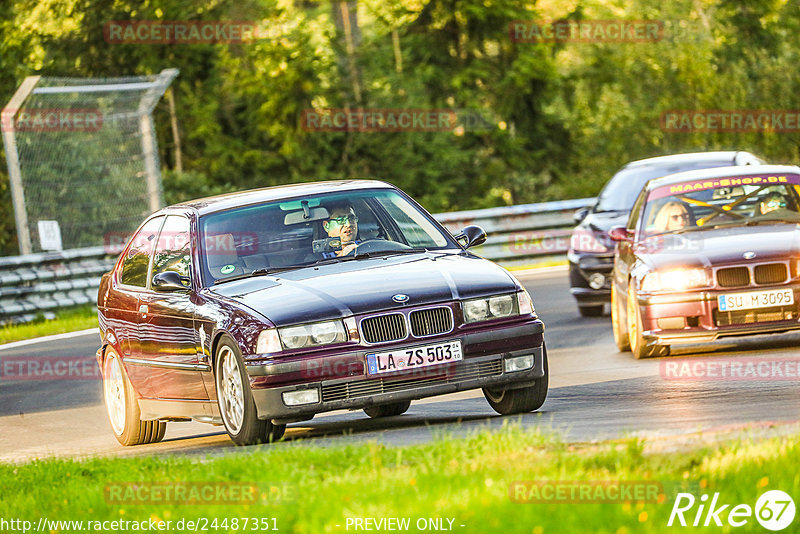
<point x="143" y="309"/>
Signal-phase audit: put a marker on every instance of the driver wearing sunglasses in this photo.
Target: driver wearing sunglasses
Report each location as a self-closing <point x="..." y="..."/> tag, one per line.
<point x="342" y="222"/>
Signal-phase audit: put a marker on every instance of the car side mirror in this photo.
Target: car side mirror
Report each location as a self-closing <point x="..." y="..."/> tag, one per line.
<point x="621" y="234"/>
<point x="580" y="215"/>
<point x="170" y="281"/>
<point x="473" y="236"/>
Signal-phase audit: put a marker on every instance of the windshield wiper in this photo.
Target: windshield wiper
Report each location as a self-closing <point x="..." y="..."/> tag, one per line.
<point x="258" y="272"/>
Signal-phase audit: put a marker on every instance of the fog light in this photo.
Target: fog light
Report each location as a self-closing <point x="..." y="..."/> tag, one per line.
<point x="597" y="281"/>
<point x="671" y="323"/>
<point x="303" y="396"/>
<point x="519" y="363"/>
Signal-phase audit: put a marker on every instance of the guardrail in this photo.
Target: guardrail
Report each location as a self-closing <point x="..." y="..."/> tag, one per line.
<point x="36" y="284"/>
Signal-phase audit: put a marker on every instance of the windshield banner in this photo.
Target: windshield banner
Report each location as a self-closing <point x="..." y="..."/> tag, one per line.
<point x="713" y="183"/>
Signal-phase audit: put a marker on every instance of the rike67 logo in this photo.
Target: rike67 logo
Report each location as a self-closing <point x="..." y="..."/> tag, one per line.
<point x="774" y="510"/>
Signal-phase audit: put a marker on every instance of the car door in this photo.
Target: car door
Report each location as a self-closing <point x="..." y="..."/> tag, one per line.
<point x="129" y="281"/>
<point x="169" y="341"/>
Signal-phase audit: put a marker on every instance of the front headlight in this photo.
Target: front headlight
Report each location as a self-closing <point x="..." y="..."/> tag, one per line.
<point x="490" y="308"/>
<point x="312" y="335"/>
<point x="675" y="280"/>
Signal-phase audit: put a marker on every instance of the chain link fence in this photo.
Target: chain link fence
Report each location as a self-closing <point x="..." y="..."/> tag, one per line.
<point x="82" y="158"/>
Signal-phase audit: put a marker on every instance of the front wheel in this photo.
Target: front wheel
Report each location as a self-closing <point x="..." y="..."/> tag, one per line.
<point x="123" y="408"/>
<point x="638" y="346"/>
<point x="388" y="410"/>
<point x="522" y="400"/>
<point x="618" y="323"/>
<point x="235" y="399"/>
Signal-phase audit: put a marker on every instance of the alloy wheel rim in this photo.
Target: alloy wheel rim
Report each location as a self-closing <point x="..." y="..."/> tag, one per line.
<point x="633" y="327"/>
<point x="231" y="391"/>
<point x="114" y="389"/>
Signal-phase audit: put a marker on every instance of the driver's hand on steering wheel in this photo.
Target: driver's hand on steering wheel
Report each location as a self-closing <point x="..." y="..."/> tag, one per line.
<point x="348" y="249"/>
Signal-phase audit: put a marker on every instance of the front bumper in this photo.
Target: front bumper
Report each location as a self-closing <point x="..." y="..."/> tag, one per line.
<point x="699" y="309"/>
<point x="581" y="267"/>
<point x="478" y="369"/>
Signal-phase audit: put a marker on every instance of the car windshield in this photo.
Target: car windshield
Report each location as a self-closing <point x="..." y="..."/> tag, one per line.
<point x="722" y="201"/>
<point x="621" y="191"/>
<point x="325" y="228"/>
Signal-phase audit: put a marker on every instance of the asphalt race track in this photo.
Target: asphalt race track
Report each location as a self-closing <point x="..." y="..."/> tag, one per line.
<point x="595" y="393"/>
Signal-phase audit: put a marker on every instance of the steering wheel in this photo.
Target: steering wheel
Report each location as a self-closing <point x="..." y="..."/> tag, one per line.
<point x="377" y="245"/>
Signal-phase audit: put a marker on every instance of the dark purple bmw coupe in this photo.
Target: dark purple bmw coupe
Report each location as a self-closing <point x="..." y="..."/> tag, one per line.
<point x="262" y="308"/>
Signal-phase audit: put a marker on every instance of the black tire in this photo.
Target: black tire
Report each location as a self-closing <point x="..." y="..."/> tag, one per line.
<point x="522" y="400"/>
<point x="388" y="410"/>
<point x="235" y="396"/>
<point x="120" y="399"/>
<point x="619" y="323"/>
<point x="591" y="311"/>
<point x="634" y="320"/>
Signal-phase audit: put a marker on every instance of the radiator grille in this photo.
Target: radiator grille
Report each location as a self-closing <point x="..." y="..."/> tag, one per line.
<point x="770" y="273"/>
<point x="431" y="321"/>
<point x="745" y="317"/>
<point x="384" y="328"/>
<point x="733" y="277"/>
<point x="376" y="386"/>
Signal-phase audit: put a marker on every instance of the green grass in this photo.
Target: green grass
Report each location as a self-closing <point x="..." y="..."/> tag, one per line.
<point x="311" y="489"/>
<point x="67" y="320"/>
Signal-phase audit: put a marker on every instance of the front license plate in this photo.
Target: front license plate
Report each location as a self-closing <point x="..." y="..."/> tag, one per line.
<point x="414" y="357"/>
<point x="755" y="299"/>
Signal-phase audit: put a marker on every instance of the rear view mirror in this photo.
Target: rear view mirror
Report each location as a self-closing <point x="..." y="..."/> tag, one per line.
<point x="472" y="236"/>
<point x="170" y="281"/>
<point x="580" y="215"/>
<point x="620" y="234"/>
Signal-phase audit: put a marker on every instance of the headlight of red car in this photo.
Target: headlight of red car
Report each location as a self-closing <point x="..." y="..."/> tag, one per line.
<point x="675" y="280"/>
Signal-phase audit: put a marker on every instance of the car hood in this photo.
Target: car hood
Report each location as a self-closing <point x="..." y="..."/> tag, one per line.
<point x="721" y="246"/>
<point x="367" y="285"/>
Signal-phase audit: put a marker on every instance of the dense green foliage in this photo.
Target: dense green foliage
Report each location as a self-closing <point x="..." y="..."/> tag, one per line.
<point x="567" y="114"/>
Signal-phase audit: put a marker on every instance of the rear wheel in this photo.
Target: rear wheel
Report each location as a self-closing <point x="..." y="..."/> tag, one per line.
<point x="618" y="323"/>
<point x="388" y="410"/>
<point x="235" y="399"/>
<point x="123" y="408"/>
<point x="591" y="311"/>
<point x="522" y="400"/>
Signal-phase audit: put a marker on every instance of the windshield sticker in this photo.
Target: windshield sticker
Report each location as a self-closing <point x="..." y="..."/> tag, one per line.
<point x="700" y="185"/>
<point x="227" y="269"/>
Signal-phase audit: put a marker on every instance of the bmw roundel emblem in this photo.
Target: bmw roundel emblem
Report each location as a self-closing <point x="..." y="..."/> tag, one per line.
<point x="749" y="255"/>
<point x="400" y="298"/>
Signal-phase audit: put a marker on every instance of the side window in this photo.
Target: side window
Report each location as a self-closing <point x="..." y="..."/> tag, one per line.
<point x="173" y="252"/>
<point x="137" y="259"/>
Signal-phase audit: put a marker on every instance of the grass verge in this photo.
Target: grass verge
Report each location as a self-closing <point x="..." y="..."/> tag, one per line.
<point x="473" y="481"/>
<point x="67" y="320"/>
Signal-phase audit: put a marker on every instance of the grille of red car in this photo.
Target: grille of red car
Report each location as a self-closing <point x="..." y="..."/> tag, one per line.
<point x="376" y="386"/>
<point x="733" y="277"/>
<point x="770" y="273"/>
<point x="744" y="317"/>
<point x="431" y="321"/>
<point x="382" y="328"/>
<point x="765" y="273"/>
